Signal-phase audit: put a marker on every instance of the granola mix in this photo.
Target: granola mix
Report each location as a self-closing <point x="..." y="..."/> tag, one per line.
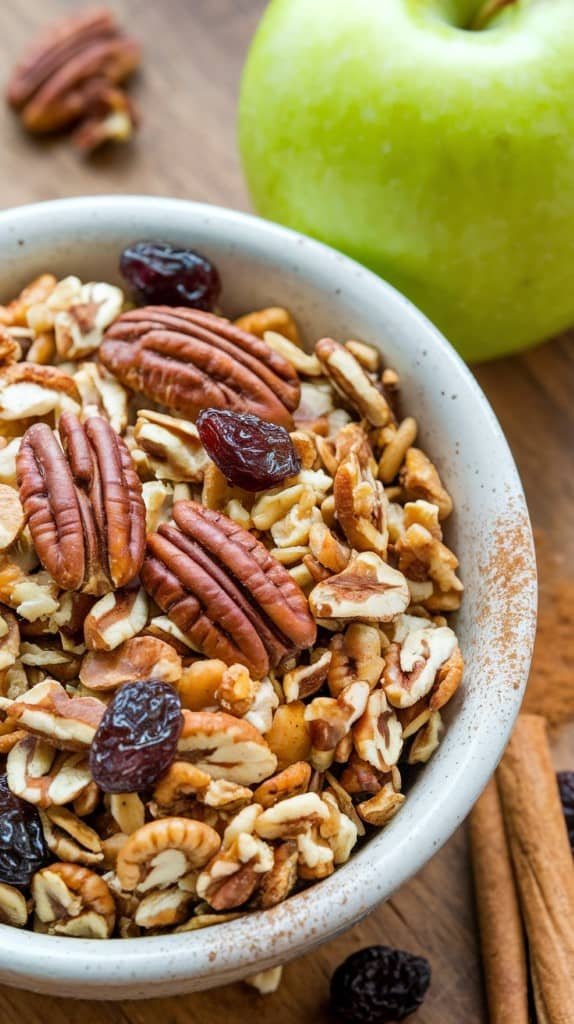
<point x="224" y="593"/>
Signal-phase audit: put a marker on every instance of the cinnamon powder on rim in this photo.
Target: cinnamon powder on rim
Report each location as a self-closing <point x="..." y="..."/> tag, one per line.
<point x="550" y="690"/>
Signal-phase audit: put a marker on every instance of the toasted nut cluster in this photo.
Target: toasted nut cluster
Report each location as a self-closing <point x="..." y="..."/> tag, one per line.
<point x="300" y="631"/>
<point x="70" y="77"/>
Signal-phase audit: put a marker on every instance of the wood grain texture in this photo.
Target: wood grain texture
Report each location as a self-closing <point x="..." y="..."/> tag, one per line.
<point x="194" y="50"/>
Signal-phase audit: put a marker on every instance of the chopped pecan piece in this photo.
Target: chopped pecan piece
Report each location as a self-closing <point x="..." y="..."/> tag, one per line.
<point x="47" y="711"/>
<point x="189" y="360"/>
<point x="76" y="59"/>
<point x="367" y="589"/>
<point x="225" y="747"/>
<point x="72" y="900"/>
<point x="83" y="504"/>
<point x="348" y="377"/>
<point x="224" y="590"/>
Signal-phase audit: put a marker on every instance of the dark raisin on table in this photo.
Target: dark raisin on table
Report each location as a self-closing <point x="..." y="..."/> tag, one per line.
<point x="378" y="985"/>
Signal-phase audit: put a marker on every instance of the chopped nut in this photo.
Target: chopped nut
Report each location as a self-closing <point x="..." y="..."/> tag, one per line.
<point x="368" y="356"/>
<point x="38" y="290"/>
<point x="13" y="906"/>
<point x="142" y="657"/>
<point x="290" y="782"/>
<point x="116" y="617"/>
<point x="276" y="884"/>
<point x="356" y="655"/>
<point x="230" y="879"/>
<point x="289" y="738"/>
<point x="28" y="390"/>
<point x="199" y="683"/>
<point x="427" y="740"/>
<point x="420" y="479"/>
<point x="225" y="747"/>
<point x="236" y="691"/>
<point x="9" y="639"/>
<point x="448" y="680"/>
<point x="425" y="514"/>
<point x="11" y="516"/>
<point x="316" y="860"/>
<point x="339" y="830"/>
<point x="331" y="719"/>
<point x="274" y="318"/>
<point x="367" y="589"/>
<point x="47" y="711"/>
<point x="351" y="381"/>
<point x="162" y="852"/>
<point x="260" y="714"/>
<point x="327" y="548"/>
<point x="172" y="446"/>
<point x="162" y="908"/>
<point x="394" y="453"/>
<point x="71" y="900"/>
<point x="305" y="680"/>
<point x="128" y="811"/>
<point x="102" y="395"/>
<point x="38" y="774"/>
<point x="378" y="734"/>
<point x="360" y="504"/>
<point x="266" y="982"/>
<point x="272" y="506"/>
<point x="411" y="666"/>
<point x="158" y="500"/>
<point x="79" y="329"/>
<point x="381" y="807"/>
<point x="306" y="365"/>
<point x="291" y="817"/>
<point x="69" y="838"/>
<point x="422" y="556"/>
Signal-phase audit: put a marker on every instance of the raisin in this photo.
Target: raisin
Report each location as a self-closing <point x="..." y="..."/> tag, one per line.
<point x="379" y="984"/>
<point x="250" y="452"/>
<point x="23" y="849"/>
<point x="165" y="275"/>
<point x="566" y="787"/>
<point x="137" y="738"/>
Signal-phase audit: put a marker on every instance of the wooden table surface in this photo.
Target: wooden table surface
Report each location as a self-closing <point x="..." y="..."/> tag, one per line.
<point x="194" y="50"/>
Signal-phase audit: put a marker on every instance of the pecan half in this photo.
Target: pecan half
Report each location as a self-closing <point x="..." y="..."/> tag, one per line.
<point x="83" y="504"/>
<point x="55" y="83"/>
<point x="188" y="360"/>
<point x="225" y="591"/>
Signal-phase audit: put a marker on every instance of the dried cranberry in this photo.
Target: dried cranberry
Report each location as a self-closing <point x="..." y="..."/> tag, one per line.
<point x="566" y="787"/>
<point x="137" y="738"/>
<point x="23" y="849"/>
<point x="163" y="274"/>
<point x="250" y="452"/>
<point x="379" y="984"/>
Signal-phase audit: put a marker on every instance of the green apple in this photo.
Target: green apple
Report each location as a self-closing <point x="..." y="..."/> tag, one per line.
<point x="433" y="140"/>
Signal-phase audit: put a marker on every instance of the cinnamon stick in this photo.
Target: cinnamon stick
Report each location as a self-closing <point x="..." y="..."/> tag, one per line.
<point x="500" y="923"/>
<point x="543" y="866"/>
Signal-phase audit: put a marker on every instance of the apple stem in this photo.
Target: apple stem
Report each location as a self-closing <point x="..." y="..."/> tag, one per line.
<point x="486" y="12"/>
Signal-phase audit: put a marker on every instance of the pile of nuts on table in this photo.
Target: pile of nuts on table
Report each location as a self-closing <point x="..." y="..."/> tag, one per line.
<point x="223" y="590"/>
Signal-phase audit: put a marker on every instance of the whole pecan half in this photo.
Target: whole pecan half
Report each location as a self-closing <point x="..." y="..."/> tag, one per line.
<point x="224" y="590"/>
<point x="69" y="68"/>
<point x="189" y="360"/>
<point x="83" y="504"/>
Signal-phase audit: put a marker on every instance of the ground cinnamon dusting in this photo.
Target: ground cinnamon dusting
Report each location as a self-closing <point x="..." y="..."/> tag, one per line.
<point x="550" y="690"/>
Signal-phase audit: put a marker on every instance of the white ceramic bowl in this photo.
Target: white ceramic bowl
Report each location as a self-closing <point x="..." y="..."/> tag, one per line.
<point x="262" y="264"/>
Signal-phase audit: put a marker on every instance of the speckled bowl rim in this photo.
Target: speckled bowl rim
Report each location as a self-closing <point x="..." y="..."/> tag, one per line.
<point x="177" y="963"/>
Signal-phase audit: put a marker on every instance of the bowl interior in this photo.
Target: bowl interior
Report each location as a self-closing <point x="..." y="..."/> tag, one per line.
<point x="262" y="264"/>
